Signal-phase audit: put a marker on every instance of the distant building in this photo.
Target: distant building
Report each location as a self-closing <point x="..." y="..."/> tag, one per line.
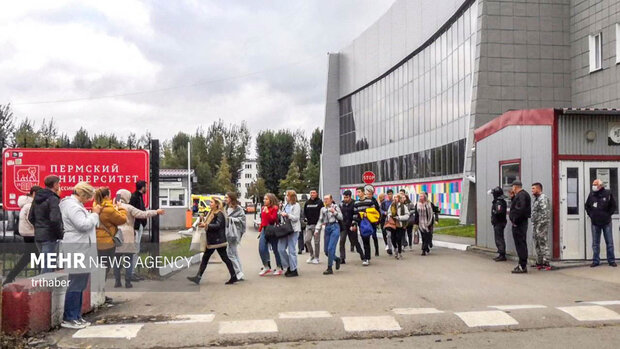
<point x="249" y="174"/>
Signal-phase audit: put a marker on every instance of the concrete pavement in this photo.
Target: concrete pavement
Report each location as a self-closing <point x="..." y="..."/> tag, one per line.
<point x="447" y="292"/>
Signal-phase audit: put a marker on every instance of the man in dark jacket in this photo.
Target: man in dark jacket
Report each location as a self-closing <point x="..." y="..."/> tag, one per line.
<point x="346" y="207"/>
<point x="312" y="210"/>
<point x="498" y="220"/>
<point x="46" y="218"/>
<point x="385" y="206"/>
<point x="520" y="211"/>
<point x="137" y="201"/>
<point x="600" y="206"/>
<point x="365" y="201"/>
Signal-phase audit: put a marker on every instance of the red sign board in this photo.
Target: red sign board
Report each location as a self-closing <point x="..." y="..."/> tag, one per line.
<point x="368" y="177"/>
<point x="116" y="169"/>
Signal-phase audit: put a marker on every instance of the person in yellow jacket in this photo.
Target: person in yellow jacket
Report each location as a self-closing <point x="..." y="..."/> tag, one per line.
<point x="110" y="218"/>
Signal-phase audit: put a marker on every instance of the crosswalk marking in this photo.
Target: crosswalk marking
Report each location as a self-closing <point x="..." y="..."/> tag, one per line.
<point x="248" y="326"/>
<point x="518" y="307"/>
<point x="416" y="311"/>
<point x="188" y="319"/>
<point x="370" y="323"/>
<point x="605" y="302"/>
<point x="591" y="313"/>
<point x="127" y="331"/>
<point x="486" y="318"/>
<point x="304" y="315"/>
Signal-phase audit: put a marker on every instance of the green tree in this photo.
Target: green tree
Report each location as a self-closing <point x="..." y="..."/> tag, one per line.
<point x="316" y="146"/>
<point x="107" y="141"/>
<point x="25" y="135"/>
<point x="257" y="190"/>
<point x="292" y="181"/>
<point x="223" y="177"/>
<point x="145" y="140"/>
<point x="48" y="134"/>
<point x="132" y="141"/>
<point x="63" y="141"/>
<point x="7" y="128"/>
<point x="274" y="155"/>
<point x="311" y="176"/>
<point x="230" y="140"/>
<point x="300" y="154"/>
<point x="81" y="139"/>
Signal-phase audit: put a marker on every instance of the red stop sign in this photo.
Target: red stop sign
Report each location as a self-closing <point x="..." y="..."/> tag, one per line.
<point x="368" y="177"/>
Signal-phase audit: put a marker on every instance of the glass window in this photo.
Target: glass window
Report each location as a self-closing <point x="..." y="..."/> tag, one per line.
<point x="596" y="52"/>
<point x="572" y="197"/>
<point x="509" y="172"/>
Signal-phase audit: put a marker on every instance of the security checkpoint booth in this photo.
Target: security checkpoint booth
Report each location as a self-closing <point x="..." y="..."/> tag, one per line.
<point x="563" y="149"/>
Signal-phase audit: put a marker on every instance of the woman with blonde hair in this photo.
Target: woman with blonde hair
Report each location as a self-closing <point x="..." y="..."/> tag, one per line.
<point x="110" y="218"/>
<point x="236" y="216"/>
<point x="79" y="238"/>
<point x="268" y="216"/>
<point x="129" y="248"/>
<point x="215" y="225"/>
<point x="292" y="211"/>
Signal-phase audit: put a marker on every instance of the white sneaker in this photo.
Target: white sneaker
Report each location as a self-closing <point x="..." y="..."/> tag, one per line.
<point x="264" y="272"/>
<point x="240" y="276"/>
<point x="84" y="322"/>
<point x="410" y="248"/>
<point x="309" y="260"/>
<point x="365" y="263"/>
<point x="315" y="261"/>
<point x="277" y="272"/>
<point x="74" y="324"/>
<point x="387" y="248"/>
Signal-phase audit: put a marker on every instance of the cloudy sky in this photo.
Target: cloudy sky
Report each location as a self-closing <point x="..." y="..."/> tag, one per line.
<point x="166" y="66"/>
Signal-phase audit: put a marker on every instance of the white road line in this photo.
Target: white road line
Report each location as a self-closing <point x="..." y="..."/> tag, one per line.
<point x="416" y="311"/>
<point x="604" y="302"/>
<point x="591" y="313"/>
<point x="127" y="331"/>
<point x="370" y="323"/>
<point x="188" y="319"/>
<point x="248" y="326"/>
<point x="304" y="315"/>
<point x="486" y="318"/>
<point x="518" y="307"/>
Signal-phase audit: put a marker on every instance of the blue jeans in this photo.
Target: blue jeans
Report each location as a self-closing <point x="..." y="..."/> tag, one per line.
<point x="47" y="247"/>
<point x="596" y="243"/>
<point x="263" y="251"/>
<point x="288" y="251"/>
<point x="73" y="297"/>
<point x="332" y="234"/>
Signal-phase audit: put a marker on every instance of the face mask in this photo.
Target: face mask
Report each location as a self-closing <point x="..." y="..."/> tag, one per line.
<point x="594" y="188"/>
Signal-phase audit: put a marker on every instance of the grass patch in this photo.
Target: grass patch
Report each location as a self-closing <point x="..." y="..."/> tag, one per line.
<point x="468" y="231"/>
<point x="169" y="249"/>
<point x="447" y="222"/>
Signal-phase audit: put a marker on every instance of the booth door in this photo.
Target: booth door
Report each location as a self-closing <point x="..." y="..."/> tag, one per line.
<point x="575" y="226"/>
<point x="572" y="211"/>
<point x="608" y="173"/>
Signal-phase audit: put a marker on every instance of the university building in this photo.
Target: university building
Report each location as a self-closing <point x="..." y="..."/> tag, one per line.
<point x="405" y="97"/>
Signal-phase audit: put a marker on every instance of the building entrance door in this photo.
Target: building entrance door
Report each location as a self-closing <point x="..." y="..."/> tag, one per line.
<point x="576" y="179"/>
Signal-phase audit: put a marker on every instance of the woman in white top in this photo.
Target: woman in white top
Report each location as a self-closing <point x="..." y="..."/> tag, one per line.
<point x="287" y="246"/>
<point x="79" y="238"/>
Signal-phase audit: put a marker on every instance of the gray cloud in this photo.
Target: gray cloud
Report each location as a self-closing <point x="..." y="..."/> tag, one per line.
<point x="81" y="49"/>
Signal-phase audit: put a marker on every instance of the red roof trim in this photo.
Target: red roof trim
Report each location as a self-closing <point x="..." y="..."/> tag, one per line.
<point x="514" y="118"/>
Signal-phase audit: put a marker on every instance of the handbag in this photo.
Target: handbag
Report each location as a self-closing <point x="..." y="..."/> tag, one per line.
<point x="366" y="229"/>
<point x="199" y="241"/>
<point x="390" y="223"/>
<point x="416" y="237"/>
<point x="232" y="233"/>
<point x="117" y="238"/>
<point x="414" y="218"/>
<point x="279" y="230"/>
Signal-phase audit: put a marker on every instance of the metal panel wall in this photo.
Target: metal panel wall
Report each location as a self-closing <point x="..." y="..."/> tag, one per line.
<point x="531" y="144"/>
<point x="572" y="134"/>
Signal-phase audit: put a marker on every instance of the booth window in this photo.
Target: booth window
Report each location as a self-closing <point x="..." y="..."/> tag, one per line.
<point x="172" y="197"/>
<point x="617" y="43"/>
<point x="572" y="192"/>
<point x="509" y="171"/>
<point x="596" y="52"/>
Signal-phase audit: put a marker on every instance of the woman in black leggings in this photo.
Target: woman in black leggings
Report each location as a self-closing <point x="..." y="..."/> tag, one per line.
<point x="216" y="241"/>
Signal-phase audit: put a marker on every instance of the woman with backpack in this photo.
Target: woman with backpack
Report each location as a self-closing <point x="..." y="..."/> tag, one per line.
<point x="236" y="217"/>
<point x="425" y="218"/>
<point x="215" y="226"/>
<point x="398" y="214"/>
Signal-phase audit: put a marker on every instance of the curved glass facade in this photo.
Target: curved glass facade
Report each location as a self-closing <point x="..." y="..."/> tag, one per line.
<point x="429" y="91"/>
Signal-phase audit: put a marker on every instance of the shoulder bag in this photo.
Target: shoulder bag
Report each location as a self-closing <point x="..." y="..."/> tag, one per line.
<point x="279" y="230"/>
<point x="117" y="238"/>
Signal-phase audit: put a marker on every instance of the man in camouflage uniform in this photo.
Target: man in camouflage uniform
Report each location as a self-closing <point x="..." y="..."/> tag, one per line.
<point x="541" y="218"/>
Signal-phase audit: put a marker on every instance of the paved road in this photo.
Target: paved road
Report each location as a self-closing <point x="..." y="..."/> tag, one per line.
<point x="462" y="296"/>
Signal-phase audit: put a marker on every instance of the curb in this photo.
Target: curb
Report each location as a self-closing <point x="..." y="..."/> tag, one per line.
<point x="171" y="268"/>
<point x="451" y="245"/>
